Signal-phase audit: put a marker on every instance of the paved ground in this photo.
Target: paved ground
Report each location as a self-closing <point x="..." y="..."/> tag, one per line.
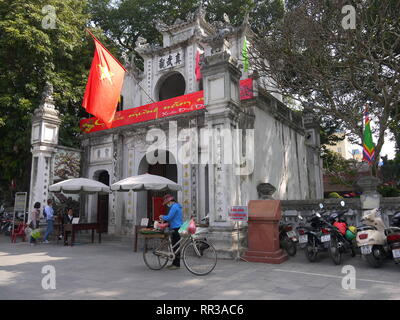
<point x="112" y="271"/>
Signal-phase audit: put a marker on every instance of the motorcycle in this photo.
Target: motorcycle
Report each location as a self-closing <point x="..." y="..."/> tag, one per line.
<point x="316" y="236"/>
<point x="393" y="237"/>
<point x="288" y="238"/>
<point x="371" y="238"/>
<point x="341" y="236"/>
<point x="6" y="224"/>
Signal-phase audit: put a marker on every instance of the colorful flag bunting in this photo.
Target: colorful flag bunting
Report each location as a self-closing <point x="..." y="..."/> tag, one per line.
<point x="368" y="144"/>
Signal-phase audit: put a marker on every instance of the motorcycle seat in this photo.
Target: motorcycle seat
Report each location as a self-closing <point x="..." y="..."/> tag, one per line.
<point x="308" y="228"/>
<point x="364" y="228"/>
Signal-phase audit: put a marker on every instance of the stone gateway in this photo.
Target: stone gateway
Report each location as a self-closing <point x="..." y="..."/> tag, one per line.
<point x="233" y="136"/>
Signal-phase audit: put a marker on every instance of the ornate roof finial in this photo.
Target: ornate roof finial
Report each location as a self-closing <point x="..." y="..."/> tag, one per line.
<point x="47" y="94"/>
<point x="200" y="11"/>
<point x="246" y="19"/>
<point x="226" y="19"/>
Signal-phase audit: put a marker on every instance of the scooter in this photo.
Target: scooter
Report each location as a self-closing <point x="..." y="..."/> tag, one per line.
<point x="6" y="224"/>
<point x="393" y="237"/>
<point x="371" y="238"/>
<point x="341" y="237"/>
<point x="316" y="236"/>
<point x="288" y="238"/>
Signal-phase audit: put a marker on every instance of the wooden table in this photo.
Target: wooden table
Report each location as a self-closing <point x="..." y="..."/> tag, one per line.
<point x="80" y="226"/>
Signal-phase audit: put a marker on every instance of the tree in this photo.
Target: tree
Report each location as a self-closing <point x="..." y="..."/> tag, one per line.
<point x="311" y="57"/>
<point x="33" y="51"/>
<point x="340" y="170"/>
<point x="329" y="127"/>
<point x="124" y="21"/>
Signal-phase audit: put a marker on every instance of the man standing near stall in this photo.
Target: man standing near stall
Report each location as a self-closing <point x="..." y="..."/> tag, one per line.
<point x="174" y="217"/>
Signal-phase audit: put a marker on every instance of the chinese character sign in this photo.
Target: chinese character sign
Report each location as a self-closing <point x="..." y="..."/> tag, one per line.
<point x="170" y="60"/>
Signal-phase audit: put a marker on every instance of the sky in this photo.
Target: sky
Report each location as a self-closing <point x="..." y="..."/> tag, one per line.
<point x="388" y="149"/>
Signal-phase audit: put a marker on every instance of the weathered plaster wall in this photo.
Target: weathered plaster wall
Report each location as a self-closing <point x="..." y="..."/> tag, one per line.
<point x="280" y="158"/>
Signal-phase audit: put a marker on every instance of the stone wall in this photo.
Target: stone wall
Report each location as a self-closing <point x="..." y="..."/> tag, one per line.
<point x="291" y="209"/>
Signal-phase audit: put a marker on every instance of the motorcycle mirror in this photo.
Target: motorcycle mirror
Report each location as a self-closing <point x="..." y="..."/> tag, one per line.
<point x="342" y="203"/>
<point x="318" y="215"/>
<point x="300" y="217"/>
<point x="321" y="206"/>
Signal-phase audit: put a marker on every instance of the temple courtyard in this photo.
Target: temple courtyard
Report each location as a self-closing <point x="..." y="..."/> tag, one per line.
<point x="111" y="270"/>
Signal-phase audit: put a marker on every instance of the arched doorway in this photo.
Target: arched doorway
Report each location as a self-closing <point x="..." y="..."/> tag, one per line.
<point x="171" y="86"/>
<point x="102" y="203"/>
<point x="152" y="198"/>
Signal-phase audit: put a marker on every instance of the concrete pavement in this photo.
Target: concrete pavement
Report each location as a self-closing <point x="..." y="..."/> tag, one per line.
<point x="111" y="270"/>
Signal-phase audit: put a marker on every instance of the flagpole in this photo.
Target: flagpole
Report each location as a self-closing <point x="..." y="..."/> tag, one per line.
<point x="105" y="49"/>
<point x="118" y="63"/>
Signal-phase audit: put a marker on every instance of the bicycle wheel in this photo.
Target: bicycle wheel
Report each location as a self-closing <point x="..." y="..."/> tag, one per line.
<point x="199" y="257"/>
<point x="152" y="253"/>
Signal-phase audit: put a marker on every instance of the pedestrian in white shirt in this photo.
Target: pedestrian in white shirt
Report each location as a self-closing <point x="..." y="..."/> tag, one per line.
<point x="49" y="212"/>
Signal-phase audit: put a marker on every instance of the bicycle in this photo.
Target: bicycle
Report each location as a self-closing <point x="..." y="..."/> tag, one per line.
<point x="199" y="256"/>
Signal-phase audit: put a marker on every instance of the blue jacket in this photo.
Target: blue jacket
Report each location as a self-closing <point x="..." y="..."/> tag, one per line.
<point x="174" y="216"/>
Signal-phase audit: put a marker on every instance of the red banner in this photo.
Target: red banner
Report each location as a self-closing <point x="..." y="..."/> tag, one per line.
<point x="178" y="105"/>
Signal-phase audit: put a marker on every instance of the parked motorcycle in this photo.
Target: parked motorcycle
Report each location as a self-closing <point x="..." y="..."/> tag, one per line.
<point x="342" y="236"/>
<point x="371" y="238"/>
<point x="316" y="236"/>
<point x="288" y="238"/>
<point x="6" y="223"/>
<point x="393" y="237"/>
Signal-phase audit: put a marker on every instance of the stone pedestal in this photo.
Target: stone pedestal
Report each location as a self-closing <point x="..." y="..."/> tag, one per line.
<point x="370" y="198"/>
<point x="263" y="232"/>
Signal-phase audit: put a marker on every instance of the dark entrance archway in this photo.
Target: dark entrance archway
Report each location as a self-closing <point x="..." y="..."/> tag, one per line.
<point x="172" y="86"/>
<point x="102" y="203"/>
<point x="154" y="198"/>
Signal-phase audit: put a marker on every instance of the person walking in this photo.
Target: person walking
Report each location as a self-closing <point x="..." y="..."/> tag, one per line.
<point x="174" y="217"/>
<point x="34" y="224"/>
<point x="49" y="213"/>
<point x="68" y="218"/>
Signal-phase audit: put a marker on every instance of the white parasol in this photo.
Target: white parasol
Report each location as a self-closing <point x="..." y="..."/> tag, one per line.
<point x="80" y="185"/>
<point x="145" y="182"/>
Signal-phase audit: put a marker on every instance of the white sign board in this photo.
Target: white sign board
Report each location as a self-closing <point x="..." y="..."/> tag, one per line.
<point x="20" y="202"/>
<point x="238" y="213"/>
<point x="144" y="222"/>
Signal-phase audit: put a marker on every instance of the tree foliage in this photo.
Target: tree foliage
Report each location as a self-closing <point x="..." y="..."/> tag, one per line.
<point x="125" y="20"/>
<point x="336" y="71"/>
<point x="30" y="55"/>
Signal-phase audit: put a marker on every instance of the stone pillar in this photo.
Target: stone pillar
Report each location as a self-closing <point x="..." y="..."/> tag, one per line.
<point x="314" y="161"/>
<point x="221" y="94"/>
<point x="44" y="140"/>
<point x="370" y="197"/>
<point x="116" y="210"/>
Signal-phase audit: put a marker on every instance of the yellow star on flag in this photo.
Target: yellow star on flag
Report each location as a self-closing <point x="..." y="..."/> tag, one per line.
<point x="105" y="73"/>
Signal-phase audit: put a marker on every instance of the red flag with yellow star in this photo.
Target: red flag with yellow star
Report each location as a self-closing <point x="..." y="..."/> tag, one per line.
<point x="104" y="84"/>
